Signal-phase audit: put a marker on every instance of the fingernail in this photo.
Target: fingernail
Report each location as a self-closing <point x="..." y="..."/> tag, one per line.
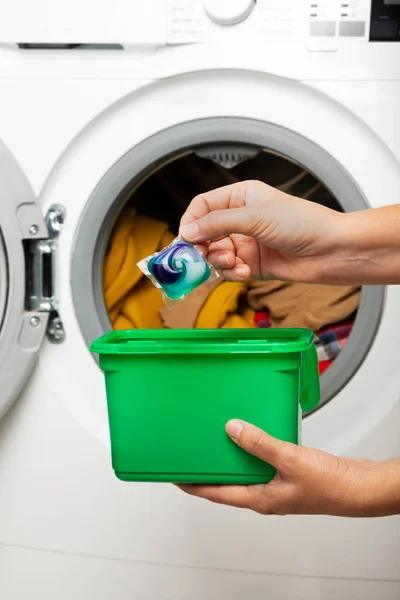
<point x="241" y="272"/>
<point x="233" y="429"/>
<point x="225" y="260"/>
<point x="190" y="231"/>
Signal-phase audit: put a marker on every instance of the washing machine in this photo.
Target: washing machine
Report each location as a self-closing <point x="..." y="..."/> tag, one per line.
<point x="95" y="97"/>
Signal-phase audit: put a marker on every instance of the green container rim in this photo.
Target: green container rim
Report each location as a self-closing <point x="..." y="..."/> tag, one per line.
<point x="203" y="341"/>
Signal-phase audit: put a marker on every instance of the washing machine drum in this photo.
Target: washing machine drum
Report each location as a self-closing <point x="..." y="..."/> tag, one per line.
<point x="155" y="180"/>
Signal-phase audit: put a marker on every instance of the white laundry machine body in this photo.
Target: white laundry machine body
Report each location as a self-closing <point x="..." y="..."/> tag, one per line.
<point x="78" y="125"/>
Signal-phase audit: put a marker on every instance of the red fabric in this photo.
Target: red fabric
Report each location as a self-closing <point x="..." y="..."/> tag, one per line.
<point x="261" y="319"/>
<point x="324" y="365"/>
<point x="329" y="341"/>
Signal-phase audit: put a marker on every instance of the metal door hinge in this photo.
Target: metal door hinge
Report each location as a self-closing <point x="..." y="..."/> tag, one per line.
<point x="42" y="293"/>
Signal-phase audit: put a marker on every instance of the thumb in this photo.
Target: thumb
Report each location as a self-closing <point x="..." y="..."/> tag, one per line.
<point x="219" y="223"/>
<point x="280" y="455"/>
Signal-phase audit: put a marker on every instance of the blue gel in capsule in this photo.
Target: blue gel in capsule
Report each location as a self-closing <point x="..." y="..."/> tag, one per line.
<point x="179" y="269"/>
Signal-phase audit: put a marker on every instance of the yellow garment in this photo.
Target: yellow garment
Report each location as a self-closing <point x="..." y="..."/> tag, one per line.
<point x="184" y="314"/>
<point x="131" y="299"/>
<point x="224" y="309"/>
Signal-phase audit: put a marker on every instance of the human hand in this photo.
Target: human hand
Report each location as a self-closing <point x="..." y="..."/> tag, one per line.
<point x="250" y="229"/>
<point x="308" y="481"/>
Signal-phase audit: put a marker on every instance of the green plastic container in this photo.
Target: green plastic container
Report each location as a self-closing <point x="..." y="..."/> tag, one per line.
<point x="171" y="392"/>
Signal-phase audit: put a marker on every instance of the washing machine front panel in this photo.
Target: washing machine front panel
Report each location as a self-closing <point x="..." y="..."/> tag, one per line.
<point x="50" y="449"/>
<point x="185" y="21"/>
<point x="22" y="326"/>
<point x="286" y="104"/>
<point x="67" y="24"/>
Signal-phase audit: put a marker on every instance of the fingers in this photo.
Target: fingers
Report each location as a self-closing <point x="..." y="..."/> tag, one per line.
<point x="266" y="499"/>
<point x="281" y="455"/>
<point x="231" y="266"/>
<point x="277" y="497"/>
<point x="219" y="223"/>
<point x="240" y="272"/>
<point x="229" y="196"/>
<point x="222" y="259"/>
<point x="204" y="248"/>
<point x="238" y="496"/>
<point x="222" y="253"/>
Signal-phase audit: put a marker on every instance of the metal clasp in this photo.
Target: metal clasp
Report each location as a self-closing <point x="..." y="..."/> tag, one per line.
<point x="42" y="294"/>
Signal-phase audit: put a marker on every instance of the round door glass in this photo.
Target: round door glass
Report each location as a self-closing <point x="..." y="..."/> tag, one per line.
<point x="137" y="208"/>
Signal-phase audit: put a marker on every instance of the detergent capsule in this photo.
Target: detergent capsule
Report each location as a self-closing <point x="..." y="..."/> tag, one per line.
<point x="177" y="270"/>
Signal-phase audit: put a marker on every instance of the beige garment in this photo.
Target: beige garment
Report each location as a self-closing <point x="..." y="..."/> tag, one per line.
<point x="184" y="314"/>
<point x="219" y="304"/>
<point x="303" y="305"/>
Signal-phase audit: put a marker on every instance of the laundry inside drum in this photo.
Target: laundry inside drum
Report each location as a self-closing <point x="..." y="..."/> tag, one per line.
<point x="149" y="221"/>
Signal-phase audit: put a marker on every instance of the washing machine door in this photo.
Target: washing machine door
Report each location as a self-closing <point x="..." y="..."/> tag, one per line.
<point x="23" y="314"/>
